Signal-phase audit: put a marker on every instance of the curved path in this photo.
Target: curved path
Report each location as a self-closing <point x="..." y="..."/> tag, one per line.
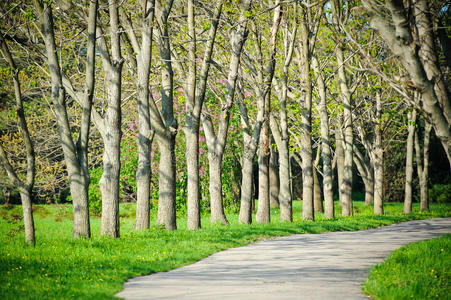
<point x="302" y="266"/>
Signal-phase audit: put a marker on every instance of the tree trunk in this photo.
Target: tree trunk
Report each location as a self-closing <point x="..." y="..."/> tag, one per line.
<point x="346" y="97"/>
<point x="165" y="124"/>
<point x="75" y="155"/>
<point x="317" y="197"/>
<point x="216" y="201"/>
<point x="145" y="134"/>
<point x="167" y="184"/>
<point x="423" y="166"/>
<point x="109" y="182"/>
<point x="409" y="162"/>
<point x="274" y="178"/>
<point x="366" y="170"/>
<point x="25" y="196"/>
<point x="428" y="54"/>
<point x="26" y="188"/>
<point x="245" y="216"/>
<point x="263" y="209"/>
<point x="379" y="161"/>
<point x="306" y="122"/>
<point x="325" y="144"/>
<point x="339" y="152"/>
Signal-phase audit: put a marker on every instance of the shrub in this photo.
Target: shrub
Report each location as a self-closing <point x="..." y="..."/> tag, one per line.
<point x="440" y="193"/>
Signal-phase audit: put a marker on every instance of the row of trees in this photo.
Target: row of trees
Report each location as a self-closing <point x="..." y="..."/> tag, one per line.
<point x="299" y="76"/>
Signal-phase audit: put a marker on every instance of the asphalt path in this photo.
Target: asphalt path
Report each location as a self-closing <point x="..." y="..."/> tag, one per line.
<point x="302" y="266"/>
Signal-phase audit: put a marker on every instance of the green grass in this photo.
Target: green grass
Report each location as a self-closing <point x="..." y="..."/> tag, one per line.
<point x="60" y="267"/>
<point x="420" y="270"/>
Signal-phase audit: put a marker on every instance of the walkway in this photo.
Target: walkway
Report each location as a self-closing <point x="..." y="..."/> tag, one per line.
<point x="303" y="266"/>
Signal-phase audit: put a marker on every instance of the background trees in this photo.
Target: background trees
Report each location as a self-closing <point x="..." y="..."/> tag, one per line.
<point x="334" y="90"/>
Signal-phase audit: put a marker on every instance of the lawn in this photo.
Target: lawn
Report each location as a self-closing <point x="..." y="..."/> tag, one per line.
<point x="60" y="267"/>
<point x="420" y="270"/>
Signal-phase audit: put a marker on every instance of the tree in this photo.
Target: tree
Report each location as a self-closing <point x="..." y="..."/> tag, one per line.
<point x="75" y="153"/>
<point x="195" y="96"/>
<point x="411" y="123"/>
<point x="145" y="133"/>
<point x="25" y="187"/>
<point x="346" y="97"/>
<point x="401" y="41"/>
<point x="164" y="123"/>
<point x="325" y="142"/>
<point x="280" y="130"/>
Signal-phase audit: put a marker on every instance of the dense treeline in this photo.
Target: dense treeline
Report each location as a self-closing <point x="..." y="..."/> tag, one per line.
<point x="191" y="107"/>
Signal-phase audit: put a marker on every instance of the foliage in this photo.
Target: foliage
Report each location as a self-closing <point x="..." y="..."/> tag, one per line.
<point x="60" y="267"/>
<point x="420" y="270"/>
<point x="440" y="193"/>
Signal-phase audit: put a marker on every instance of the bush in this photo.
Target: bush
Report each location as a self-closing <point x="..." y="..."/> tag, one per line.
<point x="440" y="193"/>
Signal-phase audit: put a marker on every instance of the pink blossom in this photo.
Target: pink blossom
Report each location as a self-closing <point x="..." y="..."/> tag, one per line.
<point x="222" y="81"/>
<point x="180" y="90"/>
<point x="131" y="125"/>
<point x="201" y="151"/>
<point x="201" y="138"/>
<point x="247" y="94"/>
<point x="201" y="170"/>
<point x="198" y="60"/>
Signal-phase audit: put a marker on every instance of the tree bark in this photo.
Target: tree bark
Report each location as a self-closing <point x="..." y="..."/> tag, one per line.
<point x="274" y="182"/>
<point x="263" y="211"/>
<point x="423" y="165"/>
<point x="325" y="144"/>
<point x="306" y="122"/>
<point x="145" y="133"/>
<point x="346" y="97"/>
<point x="25" y="188"/>
<point x="317" y="197"/>
<point x="216" y="143"/>
<point x="428" y="55"/>
<point x="378" y="160"/>
<point x="366" y="170"/>
<point x="411" y="120"/>
<point x="245" y="216"/>
<point x="164" y="123"/>
<point x="75" y="154"/>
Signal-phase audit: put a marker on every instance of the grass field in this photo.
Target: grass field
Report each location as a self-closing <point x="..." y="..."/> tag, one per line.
<point x="60" y="267"/>
<point x="420" y="270"/>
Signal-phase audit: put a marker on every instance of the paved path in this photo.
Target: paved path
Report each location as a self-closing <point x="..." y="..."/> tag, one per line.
<point x="302" y="266"/>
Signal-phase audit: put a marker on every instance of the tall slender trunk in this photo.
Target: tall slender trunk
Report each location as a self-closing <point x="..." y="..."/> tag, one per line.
<point x="145" y="133"/>
<point x="263" y="210"/>
<point x="274" y="182"/>
<point x="75" y="154"/>
<point x="366" y="170"/>
<point x="246" y="185"/>
<point x="217" y="207"/>
<point x="306" y="122"/>
<point x="25" y="188"/>
<point x="346" y="97"/>
<point x="317" y="197"/>
<point x="340" y="154"/>
<point x="423" y="165"/>
<point x="166" y="184"/>
<point x="325" y="144"/>
<point x="379" y="161"/>
<point x="411" y="120"/>
<point x="109" y="182"/>
<point x="165" y="124"/>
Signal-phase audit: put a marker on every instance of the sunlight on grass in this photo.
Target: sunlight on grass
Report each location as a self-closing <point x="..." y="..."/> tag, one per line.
<point x="59" y="267"/>
<point x="420" y="270"/>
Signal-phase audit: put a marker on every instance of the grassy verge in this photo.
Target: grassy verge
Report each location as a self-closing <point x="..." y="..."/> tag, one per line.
<point x="59" y="267"/>
<point x="420" y="270"/>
